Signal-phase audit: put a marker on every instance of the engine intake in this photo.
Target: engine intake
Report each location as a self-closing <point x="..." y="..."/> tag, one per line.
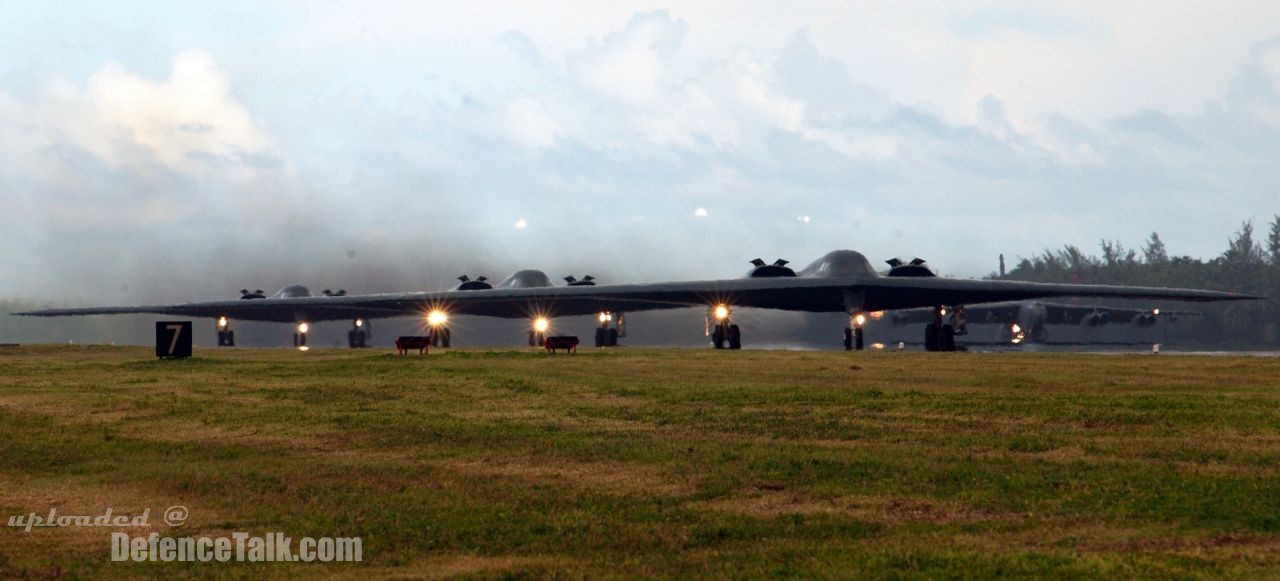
<point x="916" y="268"/>
<point x="465" y="283"/>
<point x="587" y="280"/>
<point x="778" y="269"/>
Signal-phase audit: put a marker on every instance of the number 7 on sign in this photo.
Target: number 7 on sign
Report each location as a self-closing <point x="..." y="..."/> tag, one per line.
<point x="173" y="339"/>
<point x="177" y="332"/>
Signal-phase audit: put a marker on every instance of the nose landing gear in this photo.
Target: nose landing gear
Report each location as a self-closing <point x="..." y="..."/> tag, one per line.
<point x="853" y="339"/>
<point x="300" y="337"/>
<point x="721" y="328"/>
<point x="226" y="337"/>
<point x="607" y="336"/>
<point x="853" y="333"/>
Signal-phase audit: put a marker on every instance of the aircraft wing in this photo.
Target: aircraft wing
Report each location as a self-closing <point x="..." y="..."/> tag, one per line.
<point x="836" y="294"/>
<point x="980" y="314"/>
<point x="1055" y="313"/>
<point x="890" y="294"/>
<point x="1064" y="314"/>
<point x="993" y="313"/>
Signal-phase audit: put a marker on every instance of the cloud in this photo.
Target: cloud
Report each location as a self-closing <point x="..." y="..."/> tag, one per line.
<point x="184" y="123"/>
<point x="630" y="65"/>
<point x="128" y="184"/>
<point x="126" y="151"/>
<point x="1255" y="92"/>
<point x="527" y="123"/>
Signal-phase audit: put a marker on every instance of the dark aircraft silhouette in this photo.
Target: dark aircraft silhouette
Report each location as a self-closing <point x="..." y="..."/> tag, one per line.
<point x="840" y="281"/>
<point x="1026" y="322"/>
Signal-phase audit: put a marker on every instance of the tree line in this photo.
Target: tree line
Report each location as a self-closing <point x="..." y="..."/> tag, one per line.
<point x="1250" y="265"/>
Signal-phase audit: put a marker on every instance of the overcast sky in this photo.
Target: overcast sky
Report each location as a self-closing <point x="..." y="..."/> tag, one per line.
<point x="174" y="151"/>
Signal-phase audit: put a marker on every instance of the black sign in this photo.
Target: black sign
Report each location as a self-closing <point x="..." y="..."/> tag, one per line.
<point x="173" y="339"/>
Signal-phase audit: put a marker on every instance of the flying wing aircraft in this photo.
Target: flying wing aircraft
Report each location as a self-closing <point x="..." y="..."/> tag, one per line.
<point x="840" y="281"/>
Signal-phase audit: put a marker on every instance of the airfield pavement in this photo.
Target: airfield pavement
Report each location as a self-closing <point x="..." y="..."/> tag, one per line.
<point x="652" y="462"/>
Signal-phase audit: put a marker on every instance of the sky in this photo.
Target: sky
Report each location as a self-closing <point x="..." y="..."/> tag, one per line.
<point x="179" y="150"/>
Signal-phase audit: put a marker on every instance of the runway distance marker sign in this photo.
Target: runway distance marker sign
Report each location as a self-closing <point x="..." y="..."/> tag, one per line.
<point x="173" y="339"/>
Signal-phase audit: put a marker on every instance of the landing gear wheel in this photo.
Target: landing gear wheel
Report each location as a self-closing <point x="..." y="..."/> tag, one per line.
<point x="231" y="338"/>
<point x="947" y="340"/>
<point x="848" y="339"/>
<point x="735" y="337"/>
<point x="857" y="339"/>
<point x="446" y="338"/>
<point x="717" y="336"/>
<point x="611" y="338"/>
<point x="930" y="337"/>
<point x="533" y="339"/>
<point x="601" y="337"/>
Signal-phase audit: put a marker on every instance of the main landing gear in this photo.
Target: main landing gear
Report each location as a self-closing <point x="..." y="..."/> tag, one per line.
<point x="358" y="336"/>
<point x="438" y="323"/>
<point x="538" y="333"/>
<point x="441" y="336"/>
<point x="607" y="336"/>
<point x="721" y="328"/>
<point x="941" y="335"/>
<point x="226" y="337"/>
<point x="300" y="337"/>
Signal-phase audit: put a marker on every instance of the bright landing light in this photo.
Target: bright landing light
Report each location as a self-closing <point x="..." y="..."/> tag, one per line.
<point x="303" y="327"/>
<point x="222" y="322"/>
<point x="437" y="318"/>
<point x="359" y="322"/>
<point x="540" y="325"/>
<point x="1016" y="334"/>
<point x="859" y="319"/>
<point x="722" y="312"/>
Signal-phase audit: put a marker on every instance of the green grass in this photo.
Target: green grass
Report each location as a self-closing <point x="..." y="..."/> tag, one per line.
<point x="638" y="462"/>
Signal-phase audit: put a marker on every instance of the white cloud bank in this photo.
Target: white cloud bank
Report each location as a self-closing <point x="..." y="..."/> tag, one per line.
<point x="184" y="123"/>
<point x="384" y="156"/>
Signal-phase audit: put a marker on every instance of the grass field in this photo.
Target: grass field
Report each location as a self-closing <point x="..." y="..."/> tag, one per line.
<point x="636" y="462"/>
